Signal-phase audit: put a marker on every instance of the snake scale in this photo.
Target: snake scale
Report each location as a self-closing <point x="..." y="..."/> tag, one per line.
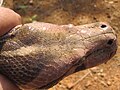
<point x="38" y="55"/>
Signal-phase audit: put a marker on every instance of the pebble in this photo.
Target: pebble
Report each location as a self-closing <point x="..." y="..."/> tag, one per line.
<point x="111" y="2"/>
<point x="89" y="83"/>
<point x="109" y="83"/>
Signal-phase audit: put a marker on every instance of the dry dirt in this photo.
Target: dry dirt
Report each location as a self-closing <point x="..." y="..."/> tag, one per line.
<point x="77" y="12"/>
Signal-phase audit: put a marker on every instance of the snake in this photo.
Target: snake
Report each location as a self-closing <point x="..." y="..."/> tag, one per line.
<point x="38" y="55"/>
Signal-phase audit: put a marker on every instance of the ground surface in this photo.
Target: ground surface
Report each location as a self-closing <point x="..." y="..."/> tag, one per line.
<point x="103" y="77"/>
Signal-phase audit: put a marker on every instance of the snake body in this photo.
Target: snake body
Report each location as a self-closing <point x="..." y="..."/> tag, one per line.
<point x="38" y="55"/>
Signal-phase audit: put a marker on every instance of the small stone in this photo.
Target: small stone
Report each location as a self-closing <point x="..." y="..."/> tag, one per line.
<point x="95" y="5"/>
<point x="70" y="85"/>
<point x="101" y="70"/>
<point x="108" y="83"/>
<point x="102" y="74"/>
<point x="31" y="1"/>
<point x="111" y="2"/>
<point x="70" y="25"/>
<point x="88" y="84"/>
<point x="98" y="74"/>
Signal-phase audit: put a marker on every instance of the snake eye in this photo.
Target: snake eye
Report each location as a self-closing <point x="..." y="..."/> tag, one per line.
<point x="110" y="42"/>
<point x="103" y="26"/>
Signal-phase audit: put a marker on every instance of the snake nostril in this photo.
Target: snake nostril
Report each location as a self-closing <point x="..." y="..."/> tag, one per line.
<point x="103" y="26"/>
<point x="110" y="42"/>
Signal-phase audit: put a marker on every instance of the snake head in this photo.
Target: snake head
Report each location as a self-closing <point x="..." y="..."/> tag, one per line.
<point x="38" y="55"/>
<point x="100" y="45"/>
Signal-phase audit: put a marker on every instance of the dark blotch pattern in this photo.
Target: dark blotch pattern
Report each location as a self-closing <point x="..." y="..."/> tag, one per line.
<point x="20" y="71"/>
